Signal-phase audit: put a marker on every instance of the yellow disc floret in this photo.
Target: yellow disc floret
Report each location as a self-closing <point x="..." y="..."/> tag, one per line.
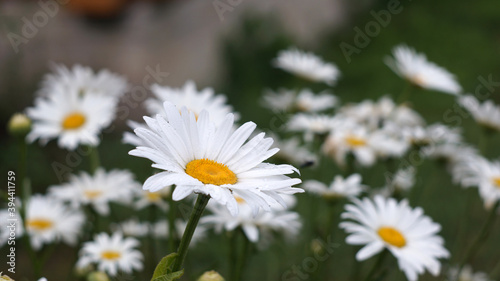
<point x="73" y="121"/>
<point x="355" y="141"/>
<point x="39" y="224"/>
<point x="392" y="236"/>
<point x="210" y="172"/>
<point x="110" y="255"/>
<point x="496" y="181"/>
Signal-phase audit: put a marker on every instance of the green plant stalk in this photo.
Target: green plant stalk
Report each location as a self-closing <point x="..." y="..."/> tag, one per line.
<point x="376" y="265"/>
<point x="171" y="223"/>
<point x="94" y="159"/>
<point x="239" y="253"/>
<point x="199" y="207"/>
<point x="481" y="238"/>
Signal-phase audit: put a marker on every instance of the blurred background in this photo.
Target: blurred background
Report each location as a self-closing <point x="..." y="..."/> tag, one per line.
<point x="228" y="45"/>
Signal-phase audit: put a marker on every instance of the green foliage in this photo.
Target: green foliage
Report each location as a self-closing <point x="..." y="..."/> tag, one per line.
<point x="163" y="271"/>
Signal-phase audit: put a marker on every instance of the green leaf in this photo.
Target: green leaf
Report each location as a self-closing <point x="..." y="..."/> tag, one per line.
<point x="163" y="267"/>
<point x="170" y="276"/>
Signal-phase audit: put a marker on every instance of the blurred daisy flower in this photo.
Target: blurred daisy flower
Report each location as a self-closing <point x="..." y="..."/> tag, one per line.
<point x="481" y="173"/>
<point x="311" y="125"/>
<point x="486" y="114"/>
<point x="84" y="80"/>
<point x="195" y="101"/>
<point x="157" y="198"/>
<point x="97" y="190"/>
<point x="466" y="274"/>
<point x="111" y="254"/>
<point x="307" y="65"/>
<point x="72" y="118"/>
<point x="407" y="233"/>
<point x="199" y="157"/>
<point x="161" y="230"/>
<point x="415" y="67"/>
<point x="132" y="227"/>
<point x="260" y="226"/>
<point x="403" y="179"/>
<point x="290" y="150"/>
<point x="338" y="188"/>
<point x="304" y="101"/>
<point x="49" y="220"/>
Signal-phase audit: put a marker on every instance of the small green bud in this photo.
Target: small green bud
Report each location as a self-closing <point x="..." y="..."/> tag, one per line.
<point x="98" y="276"/>
<point x="19" y="125"/>
<point x="211" y="276"/>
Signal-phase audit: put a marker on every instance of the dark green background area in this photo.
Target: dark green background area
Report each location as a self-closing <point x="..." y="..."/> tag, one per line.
<point x="462" y="36"/>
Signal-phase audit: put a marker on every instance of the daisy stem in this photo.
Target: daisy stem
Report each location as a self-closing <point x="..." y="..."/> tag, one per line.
<point x="199" y="207"/>
<point x="376" y="266"/>
<point x="171" y="223"/>
<point x="405" y="94"/>
<point x="94" y="159"/>
<point x="481" y="238"/>
<point x="239" y="254"/>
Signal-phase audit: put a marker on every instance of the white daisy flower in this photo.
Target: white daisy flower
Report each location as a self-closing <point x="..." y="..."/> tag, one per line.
<point x="199" y="158"/>
<point x="11" y="226"/>
<point x="307" y="101"/>
<point x="466" y="274"/>
<point x="282" y="100"/>
<point x="415" y="67"/>
<point x="97" y="190"/>
<point x="85" y="80"/>
<point x="407" y="233"/>
<point x="157" y="198"/>
<point x="195" y="101"/>
<point x="388" y="142"/>
<point x="263" y="224"/>
<point x="453" y="153"/>
<point x="132" y="227"/>
<point x="49" y="221"/>
<point x="307" y="65"/>
<point x="350" y="139"/>
<point x="481" y="173"/>
<point x="131" y="138"/>
<point x="72" y="118"/>
<point x="338" y="188"/>
<point x="111" y="254"/>
<point x="291" y="151"/>
<point x="403" y="179"/>
<point x="311" y="124"/>
<point x="486" y="114"/>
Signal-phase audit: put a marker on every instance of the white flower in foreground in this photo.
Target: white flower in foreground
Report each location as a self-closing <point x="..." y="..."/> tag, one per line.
<point x="311" y="124"/>
<point x="481" y="173"/>
<point x="486" y="114"/>
<point x="338" y="188"/>
<point x="72" y="118"/>
<point x="85" y="80"/>
<point x="415" y="67"/>
<point x="98" y="190"/>
<point x="111" y="254"/>
<point x="466" y="274"/>
<point x="307" y="65"/>
<point x="130" y="137"/>
<point x="255" y="226"/>
<point x="407" y="233"/>
<point x="188" y="96"/>
<point x="199" y="157"/>
<point x="11" y="226"/>
<point x="49" y="221"/>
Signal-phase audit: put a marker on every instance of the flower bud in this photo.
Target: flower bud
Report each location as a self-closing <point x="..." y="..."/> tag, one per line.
<point x="97" y="276"/>
<point x="211" y="276"/>
<point x="19" y="125"/>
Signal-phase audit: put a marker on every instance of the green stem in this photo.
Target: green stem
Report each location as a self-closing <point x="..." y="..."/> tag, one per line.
<point x="94" y="159"/>
<point x="481" y="238"/>
<point x="495" y="273"/>
<point x="405" y="94"/>
<point x="242" y="257"/>
<point x="376" y="266"/>
<point x="198" y="209"/>
<point x="172" y="235"/>
<point x="151" y="249"/>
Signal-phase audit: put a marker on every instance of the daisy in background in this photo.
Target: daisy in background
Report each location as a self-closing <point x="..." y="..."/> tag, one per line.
<point x="307" y="65"/>
<point x="161" y="231"/>
<point x="415" y="68"/>
<point x="49" y="220"/>
<point x="157" y="198"/>
<point x="257" y="228"/>
<point x="338" y="188"/>
<point x="290" y="150"/>
<point x="85" y="80"/>
<point x="311" y="125"/>
<point x="111" y="254"/>
<point x="403" y="179"/>
<point x="481" y="173"/>
<point x="199" y="157"/>
<point x="486" y="114"/>
<point x="407" y="233"/>
<point x="132" y="227"/>
<point x="195" y="101"/>
<point x="304" y="101"/>
<point x="466" y="274"/>
<point x="97" y="190"/>
<point x="70" y="117"/>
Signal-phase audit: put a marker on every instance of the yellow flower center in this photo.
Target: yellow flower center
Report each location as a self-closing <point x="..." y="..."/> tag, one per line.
<point x="239" y="200"/>
<point x="153" y="196"/>
<point x="496" y="181"/>
<point x="210" y="172"/>
<point x="110" y="255"/>
<point x="92" y="193"/>
<point x="417" y="80"/>
<point x="355" y="141"/>
<point x="73" y="121"/>
<point x="39" y="224"/>
<point x="392" y="236"/>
